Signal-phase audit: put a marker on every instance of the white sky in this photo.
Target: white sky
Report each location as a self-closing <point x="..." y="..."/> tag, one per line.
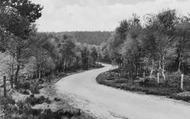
<point x="103" y="15"/>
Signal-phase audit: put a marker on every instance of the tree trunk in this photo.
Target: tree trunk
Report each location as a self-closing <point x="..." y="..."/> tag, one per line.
<point x="151" y="70"/>
<point x="16" y="74"/>
<point x="158" y="73"/>
<point x="163" y="74"/>
<point x="12" y="65"/>
<point x="163" y="68"/>
<point x="158" y="78"/>
<point x="40" y="75"/>
<point x="4" y="86"/>
<point x="18" y="65"/>
<point x="180" y="52"/>
<point x="11" y="81"/>
<point x="65" y="65"/>
<point x="179" y="66"/>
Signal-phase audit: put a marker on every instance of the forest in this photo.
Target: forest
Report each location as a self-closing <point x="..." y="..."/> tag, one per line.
<point x="90" y="37"/>
<point x="153" y="56"/>
<point x="32" y="54"/>
<point x="29" y="59"/>
<point x="151" y="53"/>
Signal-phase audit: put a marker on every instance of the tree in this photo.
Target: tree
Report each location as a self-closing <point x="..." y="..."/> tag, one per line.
<point x="151" y="51"/>
<point x="125" y="46"/>
<point x="162" y="28"/>
<point x="94" y="55"/>
<point x="67" y="52"/>
<point x="182" y="49"/>
<point x="85" y="57"/>
<point x="150" y="48"/>
<point x="16" y="19"/>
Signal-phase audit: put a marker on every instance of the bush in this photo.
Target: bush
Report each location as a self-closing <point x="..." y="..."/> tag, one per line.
<point x="29" y="85"/>
<point x="149" y="86"/>
<point x="23" y="110"/>
<point x="25" y="85"/>
<point x="122" y="80"/>
<point x="184" y="98"/>
<point x="7" y="100"/>
<point x="149" y="83"/>
<point x="24" y="91"/>
<point x="33" y="100"/>
<point x="35" y="88"/>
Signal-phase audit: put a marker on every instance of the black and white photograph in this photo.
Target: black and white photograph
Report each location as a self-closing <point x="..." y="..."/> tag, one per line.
<point x="94" y="59"/>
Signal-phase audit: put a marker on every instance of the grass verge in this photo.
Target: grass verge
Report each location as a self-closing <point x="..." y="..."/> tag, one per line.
<point x="37" y="99"/>
<point x="169" y="88"/>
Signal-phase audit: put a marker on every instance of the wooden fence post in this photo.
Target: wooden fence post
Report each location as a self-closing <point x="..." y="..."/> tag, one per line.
<point x="4" y="85"/>
<point x="182" y="79"/>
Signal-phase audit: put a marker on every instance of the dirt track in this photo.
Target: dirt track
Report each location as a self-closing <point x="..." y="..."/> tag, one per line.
<point x="82" y="91"/>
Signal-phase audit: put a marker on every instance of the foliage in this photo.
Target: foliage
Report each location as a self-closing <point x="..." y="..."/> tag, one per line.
<point x="152" y="57"/>
<point x="24" y="110"/>
<point x="92" y="38"/>
<point x="153" y="49"/>
<point x="33" y="100"/>
<point x="36" y="55"/>
<point x="169" y="88"/>
<point x="16" y="23"/>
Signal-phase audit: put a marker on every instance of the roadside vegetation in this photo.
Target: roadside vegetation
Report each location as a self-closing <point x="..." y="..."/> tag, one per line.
<point x="30" y="61"/>
<point x="153" y="56"/>
<point x="169" y="88"/>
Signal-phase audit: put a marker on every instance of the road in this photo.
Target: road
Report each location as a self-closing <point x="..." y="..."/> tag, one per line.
<point x="82" y="91"/>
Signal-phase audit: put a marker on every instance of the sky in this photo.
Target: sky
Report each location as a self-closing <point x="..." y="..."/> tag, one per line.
<point x="99" y="15"/>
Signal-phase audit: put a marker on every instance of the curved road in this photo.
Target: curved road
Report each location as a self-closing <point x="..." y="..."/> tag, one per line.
<point x="82" y="91"/>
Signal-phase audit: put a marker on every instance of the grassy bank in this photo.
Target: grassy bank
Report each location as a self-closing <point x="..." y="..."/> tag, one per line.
<point x="169" y="88"/>
<point x="37" y="99"/>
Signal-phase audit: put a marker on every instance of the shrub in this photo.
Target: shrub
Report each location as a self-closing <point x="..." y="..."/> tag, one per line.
<point x="33" y="100"/>
<point x="35" y="88"/>
<point x="7" y="100"/>
<point x="122" y="80"/>
<point x="149" y="83"/>
<point x="25" y="85"/>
